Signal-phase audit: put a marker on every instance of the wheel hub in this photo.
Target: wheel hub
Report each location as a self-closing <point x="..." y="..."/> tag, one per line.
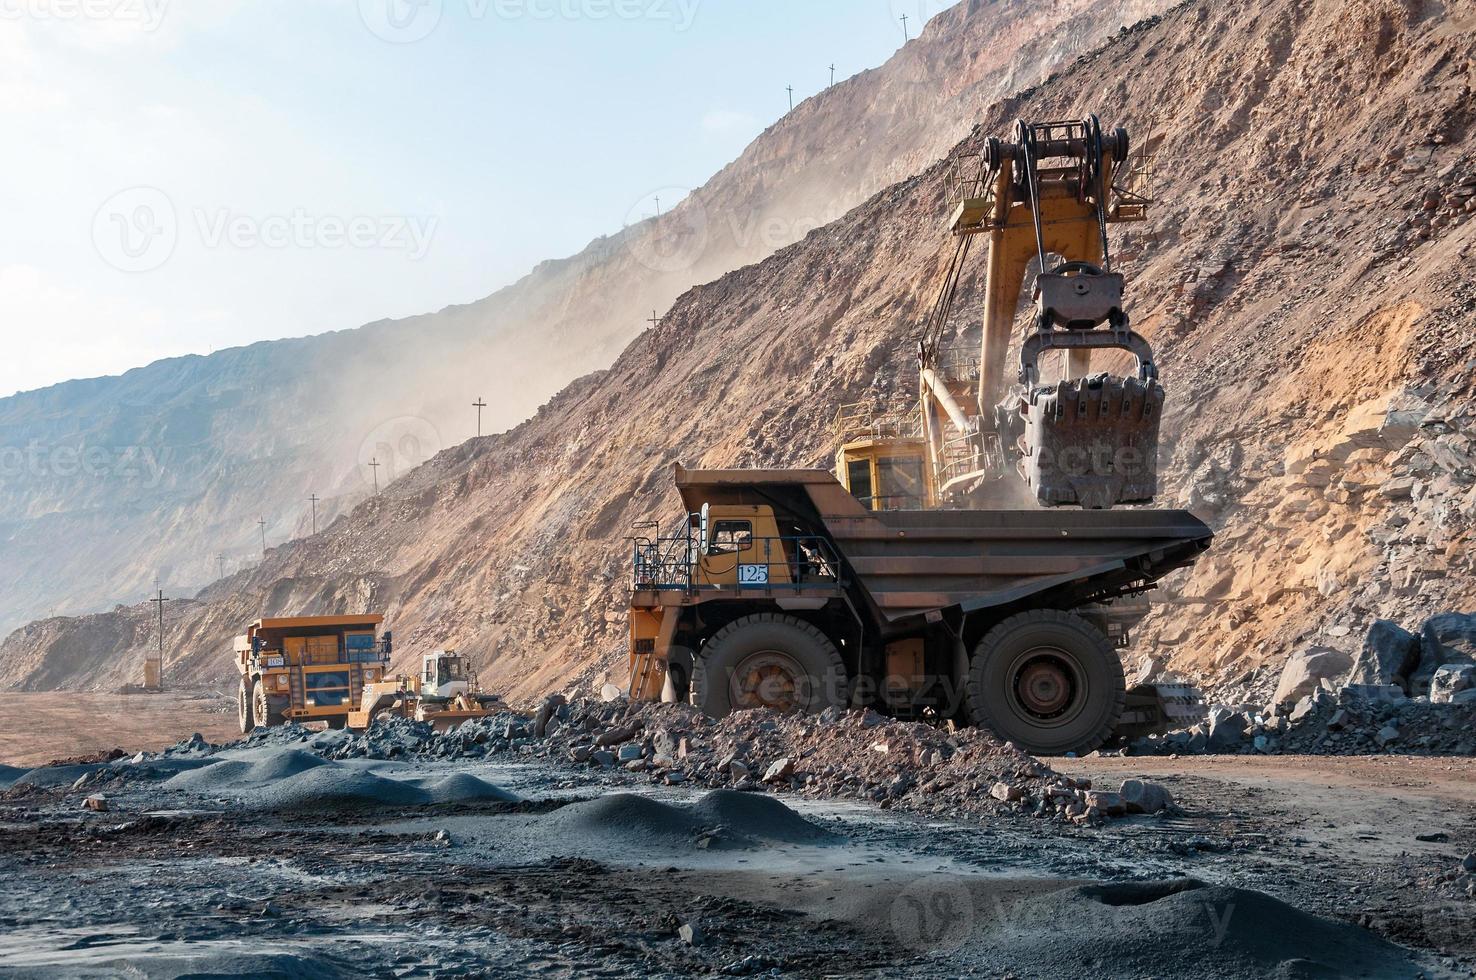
<point x="1045" y="685"/>
<point x="768" y="679"/>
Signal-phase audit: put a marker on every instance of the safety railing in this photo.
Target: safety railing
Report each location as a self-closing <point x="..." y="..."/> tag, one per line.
<point x="761" y="565"/>
<point x="868" y="420"/>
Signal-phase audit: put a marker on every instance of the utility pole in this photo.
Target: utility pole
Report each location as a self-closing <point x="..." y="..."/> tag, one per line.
<point x="905" y="35"/>
<point x="655" y="320"/>
<point x="479" y="404"/>
<point x="220" y="565"/>
<point x="790" y="90"/>
<point x="832" y="75"/>
<point x="658" y="205"/>
<point x="261" y="523"/>
<point x="374" y="465"/>
<point x="315" y="498"/>
<point x="159" y="600"/>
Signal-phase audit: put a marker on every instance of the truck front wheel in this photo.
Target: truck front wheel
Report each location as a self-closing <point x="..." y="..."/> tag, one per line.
<point x="246" y="705"/>
<point x="768" y="661"/>
<point x="1048" y="681"/>
<point x="268" y="709"/>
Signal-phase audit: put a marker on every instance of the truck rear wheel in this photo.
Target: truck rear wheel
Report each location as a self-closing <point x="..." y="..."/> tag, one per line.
<point x="246" y="705"/>
<point x="1048" y="681"/>
<point x="768" y="661"/>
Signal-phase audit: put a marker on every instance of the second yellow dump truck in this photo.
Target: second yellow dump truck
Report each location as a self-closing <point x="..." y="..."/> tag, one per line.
<point x="308" y="668"/>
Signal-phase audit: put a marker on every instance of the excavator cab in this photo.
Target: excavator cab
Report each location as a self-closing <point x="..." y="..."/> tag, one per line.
<point x="882" y="457"/>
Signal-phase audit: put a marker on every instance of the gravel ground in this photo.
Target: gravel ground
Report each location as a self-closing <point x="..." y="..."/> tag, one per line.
<point x="278" y="860"/>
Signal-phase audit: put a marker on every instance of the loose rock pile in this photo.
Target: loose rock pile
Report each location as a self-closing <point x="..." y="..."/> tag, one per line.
<point x="1402" y="694"/>
<point x="836" y="755"/>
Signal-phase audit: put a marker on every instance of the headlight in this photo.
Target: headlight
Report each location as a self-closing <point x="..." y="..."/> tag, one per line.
<point x="281" y="681"/>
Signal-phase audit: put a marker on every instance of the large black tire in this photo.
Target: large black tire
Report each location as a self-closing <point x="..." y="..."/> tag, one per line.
<point x="1048" y="681"/>
<point x="245" y="705"/>
<point x="771" y="661"/>
<point x="268" y="709"/>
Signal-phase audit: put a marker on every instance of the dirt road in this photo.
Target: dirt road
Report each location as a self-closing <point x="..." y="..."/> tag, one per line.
<point x="37" y="728"/>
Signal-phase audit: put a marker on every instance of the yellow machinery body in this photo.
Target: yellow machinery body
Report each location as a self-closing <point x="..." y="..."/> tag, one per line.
<point x="308" y="668"/>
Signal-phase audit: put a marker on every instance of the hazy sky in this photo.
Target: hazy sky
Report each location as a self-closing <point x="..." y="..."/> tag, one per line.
<point x="187" y="175"/>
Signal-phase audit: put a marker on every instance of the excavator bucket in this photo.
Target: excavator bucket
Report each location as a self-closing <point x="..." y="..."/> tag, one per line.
<point x="1092" y="442"/>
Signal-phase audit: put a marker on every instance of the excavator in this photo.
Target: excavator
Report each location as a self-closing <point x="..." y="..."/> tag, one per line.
<point x="1048" y="196"/>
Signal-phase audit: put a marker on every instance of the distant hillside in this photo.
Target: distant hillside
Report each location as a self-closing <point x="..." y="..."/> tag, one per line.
<point x="161" y="470"/>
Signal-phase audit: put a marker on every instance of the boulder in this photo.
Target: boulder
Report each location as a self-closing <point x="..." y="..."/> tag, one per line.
<point x="780" y="770"/>
<point x="1449" y="638"/>
<point x="1112" y="804"/>
<point x="1141" y="796"/>
<point x="1006" y="793"/>
<point x="1226" y="729"/>
<point x="1464" y="697"/>
<point x="690" y="934"/>
<point x="1390" y="655"/>
<point x="1306" y="669"/>
<point x="1450" y="680"/>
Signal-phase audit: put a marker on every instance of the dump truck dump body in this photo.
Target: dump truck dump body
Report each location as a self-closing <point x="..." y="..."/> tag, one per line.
<point x="909" y="563"/>
<point x="780" y="589"/>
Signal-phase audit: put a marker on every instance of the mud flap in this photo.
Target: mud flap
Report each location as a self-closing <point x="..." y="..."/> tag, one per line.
<point x="1092" y="442"/>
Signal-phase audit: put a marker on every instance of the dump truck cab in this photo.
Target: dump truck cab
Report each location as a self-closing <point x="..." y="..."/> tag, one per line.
<point x="308" y="668"/>
<point x="780" y="589"/>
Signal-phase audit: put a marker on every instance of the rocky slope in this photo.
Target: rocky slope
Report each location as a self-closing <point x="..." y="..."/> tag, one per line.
<point x="1303" y="271"/>
<point x="106" y="483"/>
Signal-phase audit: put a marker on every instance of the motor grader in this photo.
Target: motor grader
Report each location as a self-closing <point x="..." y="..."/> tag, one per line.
<point x="900" y="582"/>
<point x="445" y="695"/>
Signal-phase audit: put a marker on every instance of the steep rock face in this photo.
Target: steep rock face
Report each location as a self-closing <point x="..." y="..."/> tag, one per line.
<point x="107" y="483"/>
<point x="1305" y="257"/>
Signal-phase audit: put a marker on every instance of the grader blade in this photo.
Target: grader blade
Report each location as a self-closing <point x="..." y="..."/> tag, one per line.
<point x="1092" y="442"/>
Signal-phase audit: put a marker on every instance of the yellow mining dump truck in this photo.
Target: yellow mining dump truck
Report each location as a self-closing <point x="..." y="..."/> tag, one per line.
<point x="780" y="589"/>
<point x="308" y="668"/>
<point x="445" y="695"/>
